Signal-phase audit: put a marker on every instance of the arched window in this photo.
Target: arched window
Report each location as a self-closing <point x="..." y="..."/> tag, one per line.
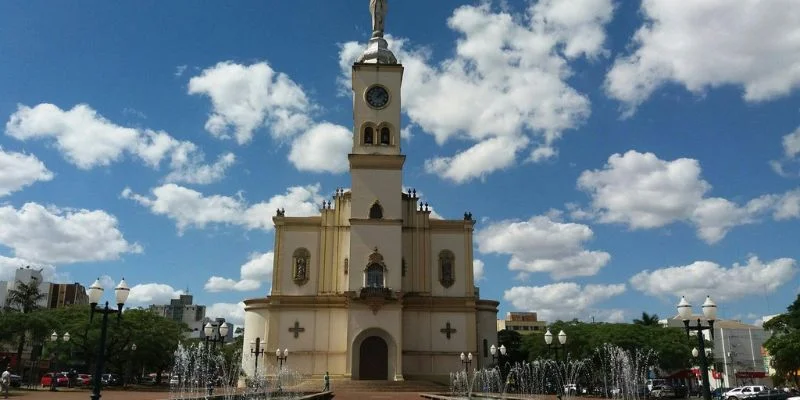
<point x="386" y="136"/>
<point x="447" y="268"/>
<point x="485" y="348"/>
<point x="375" y="276"/>
<point x="376" y="211"/>
<point x="300" y="263"/>
<point x="369" y="135"/>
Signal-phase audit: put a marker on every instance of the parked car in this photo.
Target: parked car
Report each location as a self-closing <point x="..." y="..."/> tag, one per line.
<point x="770" y="394"/>
<point x="174" y="380"/>
<point x="61" y="379"/>
<point x="663" y="392"/>
<point x="743" y="392"/>
<point x="16" y="380"/>
<point x="83" y="379"/>
<point x="111" y="380"/>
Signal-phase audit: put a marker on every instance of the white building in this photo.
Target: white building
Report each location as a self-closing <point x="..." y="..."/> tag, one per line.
<point x="182" y="310"/>
<point x="26" y="275"/>
<point x="738" y="349"/>
<point x="373" y="287"/>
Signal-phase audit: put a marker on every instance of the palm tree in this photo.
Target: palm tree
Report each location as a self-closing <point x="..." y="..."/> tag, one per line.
<point x="647" y="320"/>
<point x="24" y="298"/>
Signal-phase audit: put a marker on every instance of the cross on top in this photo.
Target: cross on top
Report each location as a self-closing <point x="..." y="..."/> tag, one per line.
<point x="448" y="330"/>
<point x="296" y="329"/>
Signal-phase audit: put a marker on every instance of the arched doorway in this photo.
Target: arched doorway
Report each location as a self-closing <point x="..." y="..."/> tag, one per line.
<point x="373" y="359"/>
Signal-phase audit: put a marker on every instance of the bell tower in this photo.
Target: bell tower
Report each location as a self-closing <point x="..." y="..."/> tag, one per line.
<point x="376" y="164"/>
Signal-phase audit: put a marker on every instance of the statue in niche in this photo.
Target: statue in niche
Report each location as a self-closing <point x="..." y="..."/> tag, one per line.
<point x="447" y="274"/>
<point x="300" y="269"/>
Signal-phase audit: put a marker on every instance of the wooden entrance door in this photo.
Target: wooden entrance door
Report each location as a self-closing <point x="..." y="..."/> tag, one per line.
<point x="373" y="359"/>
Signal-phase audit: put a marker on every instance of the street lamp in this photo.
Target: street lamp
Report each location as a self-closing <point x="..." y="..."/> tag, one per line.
<point x="494" y="349"/>
<point x="128" y="373"/>
<point x="281" y="359"/>
<point x="121" y="293"/>
<point x="710" y="312"/>
<point x="211" y="344"/>
<point x="257" y="351"/>
<point x="54" y="366"/>
<point x="562" y="339"/>
<point x="466" y="361"/>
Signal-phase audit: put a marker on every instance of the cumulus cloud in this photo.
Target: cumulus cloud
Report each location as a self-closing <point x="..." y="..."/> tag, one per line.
<point x="257" y="270"/>
<point x="246" y="98"/>
<point x="190" y="208"/>
<point x="88" y="140"/>
<point x="709" y="44"/>
<point x="542" y="244"/>
<point x="151" y="293"/>
<point x="9" y="266"/>
<point x="791" y="150"/>
<point x="232" y="312"/>
<point x="60" y="235"/>
<point x="565" y="300"/>
<point x="477" y="270"/>
<point x="323" y="148"/>
<point x="510" y="73"/>
<point x="19" y="170"/>
<point x="702" y="278"/>
<point x="642" y="191"/>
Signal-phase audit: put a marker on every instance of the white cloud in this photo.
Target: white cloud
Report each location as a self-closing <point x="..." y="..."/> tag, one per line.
<point x="232" y="312"/>
<point x="190" y="208"/>
<point x="88" y="140"/>
<point x="257" y="270"/>
<point x="709" y="44"/>
<point x="510" y="76"/>
<point x="9" y="266"/>
<point x="642" y="191"/>
<point x="702" y="278"/>
<point x="19" y="170"/>
<point x="565" y="300"/>
<point x="787" y="205"/>
<point x="323" y="148"/>
<point x="59" y="235"/>
<point x="477" y="270"/>
<point x="179" y="70"/>
<point x="247" y="97"/>
<point x="791" y="150"/>
<point x="542" y="244"/>
<point x="151" y="293"/>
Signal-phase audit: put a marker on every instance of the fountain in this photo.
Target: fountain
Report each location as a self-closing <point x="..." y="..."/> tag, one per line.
<point x="202" y="374"/>
<point x="611" y="372"/>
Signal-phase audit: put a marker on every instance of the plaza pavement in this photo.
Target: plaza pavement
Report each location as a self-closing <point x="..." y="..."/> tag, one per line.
<point x="65" y="394"/>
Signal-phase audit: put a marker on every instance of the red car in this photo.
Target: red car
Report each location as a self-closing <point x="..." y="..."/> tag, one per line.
<point x="83" y="379"/>
<point x="61" y="379"/>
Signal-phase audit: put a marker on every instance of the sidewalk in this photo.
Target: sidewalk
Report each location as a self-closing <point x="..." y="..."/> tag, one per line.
<point x="71" y="394"/>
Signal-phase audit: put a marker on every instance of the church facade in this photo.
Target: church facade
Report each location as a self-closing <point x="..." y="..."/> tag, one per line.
<point x="373" y="287"/>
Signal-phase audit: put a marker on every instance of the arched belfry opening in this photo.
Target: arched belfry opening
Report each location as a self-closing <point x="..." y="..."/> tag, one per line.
<point x="369" y="135"/>
<point x="376" y="211"/>
<point x="386" y="136"/>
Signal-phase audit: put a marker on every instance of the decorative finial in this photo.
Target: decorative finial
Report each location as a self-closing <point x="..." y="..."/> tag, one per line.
<point x="414" y="192"/>
<point x="378" y="49"/>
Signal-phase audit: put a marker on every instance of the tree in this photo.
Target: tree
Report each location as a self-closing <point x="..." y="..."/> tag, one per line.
<point x="24" y="298"/>
<point x="647" y="320"/>
<point x="784" y="344"/>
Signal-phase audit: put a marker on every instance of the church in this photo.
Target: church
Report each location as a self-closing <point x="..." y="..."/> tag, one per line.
<point x="373" y="288"/>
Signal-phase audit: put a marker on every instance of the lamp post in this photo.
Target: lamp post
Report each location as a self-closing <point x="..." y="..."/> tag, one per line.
<point x="213" y="334"/>
<point x="128" y="373"/>
<point x="257" y="351"/>
<point x="54" y="366"/>
<point x="281" y="359"/>
<point x="495" y="356"/>
<point x="466" y="361"/>
<point x="95" y="293"/>
<point x="710" y="312"/>
<point x="562" y="339"/>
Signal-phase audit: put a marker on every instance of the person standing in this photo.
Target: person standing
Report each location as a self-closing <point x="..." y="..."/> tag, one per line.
<point x="5" y="381"/>
<point x="327" y="380"/>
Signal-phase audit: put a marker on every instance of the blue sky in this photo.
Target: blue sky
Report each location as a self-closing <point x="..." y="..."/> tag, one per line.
<point x="616" y="155"/>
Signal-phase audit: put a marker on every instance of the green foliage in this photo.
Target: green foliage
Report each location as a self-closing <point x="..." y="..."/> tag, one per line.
<point x="515" y="352"/>
<point x="647" y="320"/>
<point x="673" y="348"/>
<point x="784" y="344"/>
<point x="25" y="296"/>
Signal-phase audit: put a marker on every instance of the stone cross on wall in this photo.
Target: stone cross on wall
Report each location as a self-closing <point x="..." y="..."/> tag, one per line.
<point x="448" y="330"/>
<point x="296" y="329"/>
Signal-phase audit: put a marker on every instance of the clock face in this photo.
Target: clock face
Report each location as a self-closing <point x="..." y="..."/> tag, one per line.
<point x="377" y="97"/>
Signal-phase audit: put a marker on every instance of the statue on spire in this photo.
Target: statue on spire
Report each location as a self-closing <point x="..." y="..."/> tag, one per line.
<point x="378" y="10"/>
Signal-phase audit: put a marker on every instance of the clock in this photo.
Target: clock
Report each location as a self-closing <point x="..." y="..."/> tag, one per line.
<point x="377" y="96"/>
